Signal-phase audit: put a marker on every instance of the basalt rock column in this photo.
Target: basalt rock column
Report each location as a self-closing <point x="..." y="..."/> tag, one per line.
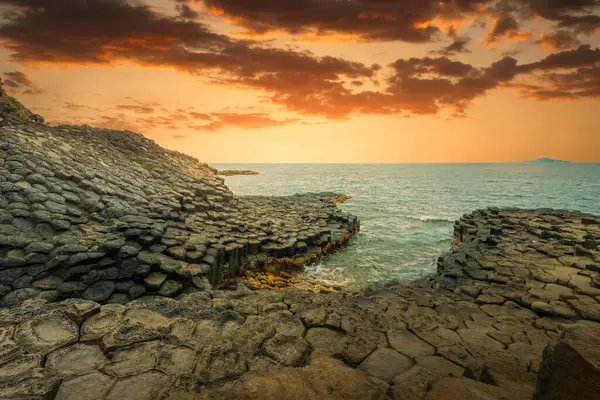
<point x="100" y="214"/>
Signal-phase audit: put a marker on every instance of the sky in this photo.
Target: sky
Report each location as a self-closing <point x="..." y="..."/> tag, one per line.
<point x="383" y="81"/>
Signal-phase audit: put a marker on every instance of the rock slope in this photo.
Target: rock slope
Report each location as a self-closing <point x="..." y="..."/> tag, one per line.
<point x="110" y="216"/>
<point x="516" y="283"/>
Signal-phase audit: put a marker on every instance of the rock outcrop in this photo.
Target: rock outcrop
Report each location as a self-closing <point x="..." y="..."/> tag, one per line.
<point x="406" y="342"/>
<point x="109" y="216"/>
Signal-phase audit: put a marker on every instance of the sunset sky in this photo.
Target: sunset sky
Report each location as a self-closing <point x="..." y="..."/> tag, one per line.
<point x="317" y="80"/>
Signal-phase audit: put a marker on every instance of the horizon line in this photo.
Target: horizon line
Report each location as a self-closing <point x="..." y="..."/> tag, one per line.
<point x="407" y="163"/>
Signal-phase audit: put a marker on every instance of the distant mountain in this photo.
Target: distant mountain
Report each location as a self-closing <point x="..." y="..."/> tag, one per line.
<point x="547" y="161"/>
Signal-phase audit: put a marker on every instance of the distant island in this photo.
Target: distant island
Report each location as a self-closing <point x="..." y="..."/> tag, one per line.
<point x="232" y="172"/>
<point x="547" y="161"/>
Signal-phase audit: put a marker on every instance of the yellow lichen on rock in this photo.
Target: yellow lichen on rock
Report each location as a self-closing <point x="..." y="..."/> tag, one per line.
<point x="298" y="280"/>
<point x="340" y="199"/>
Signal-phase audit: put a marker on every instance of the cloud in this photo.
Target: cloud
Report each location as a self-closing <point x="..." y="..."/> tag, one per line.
<point x="178" y="119"/>
<point x="241" y="120"/>
<point x="416" y="21"/>
<point x="566" y="75"/>
<point x="583" y="83"/>
<point x="441" y="66"/>
<point x="458" y="45"/>
<point x="185" y="11"/>
<point x="16" y="81"/>
<point x="583" y="56"/>
<point x="558" y="40"/>
<point x="201" y="116"/>
<point x="99" y="32"/>
<point x="75" y="32"/>
<point x="406" y="20"/>
<point x="45" y="33"/>
<point x="506" y="26"/>
<point x="140" y="109"/>
<point x="580" y="15"/>
<point x="81" y="107"/>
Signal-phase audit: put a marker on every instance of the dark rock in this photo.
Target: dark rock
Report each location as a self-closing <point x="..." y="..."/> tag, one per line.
<point x="18" y="296"/>
<point x="48" y="283"/>
<point x="136" y="291"/>
<point x="71" y="288"/>
<point x="99" y="291"/>
<point x="22" y="282"/>
<point x="590" y="221"/>
<point x="170" y="288"/>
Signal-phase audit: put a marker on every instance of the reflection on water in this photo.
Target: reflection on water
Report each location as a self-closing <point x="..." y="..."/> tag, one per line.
<point x="407" y="210"/>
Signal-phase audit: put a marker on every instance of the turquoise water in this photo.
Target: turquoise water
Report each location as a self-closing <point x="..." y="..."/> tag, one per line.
<point x="407" y="210"/>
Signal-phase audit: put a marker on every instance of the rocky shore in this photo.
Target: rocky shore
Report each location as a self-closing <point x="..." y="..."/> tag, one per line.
<point x="131" y="272"/>
<point x="513" y="307"/>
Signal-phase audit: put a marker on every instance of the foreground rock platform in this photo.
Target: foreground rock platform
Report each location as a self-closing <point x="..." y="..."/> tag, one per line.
<point x="513" y="303"/>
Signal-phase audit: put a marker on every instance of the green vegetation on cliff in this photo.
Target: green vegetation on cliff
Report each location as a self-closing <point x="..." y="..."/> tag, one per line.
<point x="11" y="108"/>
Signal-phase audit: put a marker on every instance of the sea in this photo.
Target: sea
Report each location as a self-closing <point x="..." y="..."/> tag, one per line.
<point x="407" y="210"/>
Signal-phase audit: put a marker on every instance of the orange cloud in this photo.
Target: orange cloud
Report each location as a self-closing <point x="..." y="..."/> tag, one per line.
<point x="16" y="81"/>
<point x="558" y="40"/>
<point x="505" y="26"/>
<point x="293" y="80"/>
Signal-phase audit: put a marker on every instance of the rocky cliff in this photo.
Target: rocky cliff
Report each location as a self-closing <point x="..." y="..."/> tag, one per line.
<point x="110" y="216"/>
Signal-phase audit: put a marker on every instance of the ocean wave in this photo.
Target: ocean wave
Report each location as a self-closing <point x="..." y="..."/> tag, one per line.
<point x="429" y="218"/>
